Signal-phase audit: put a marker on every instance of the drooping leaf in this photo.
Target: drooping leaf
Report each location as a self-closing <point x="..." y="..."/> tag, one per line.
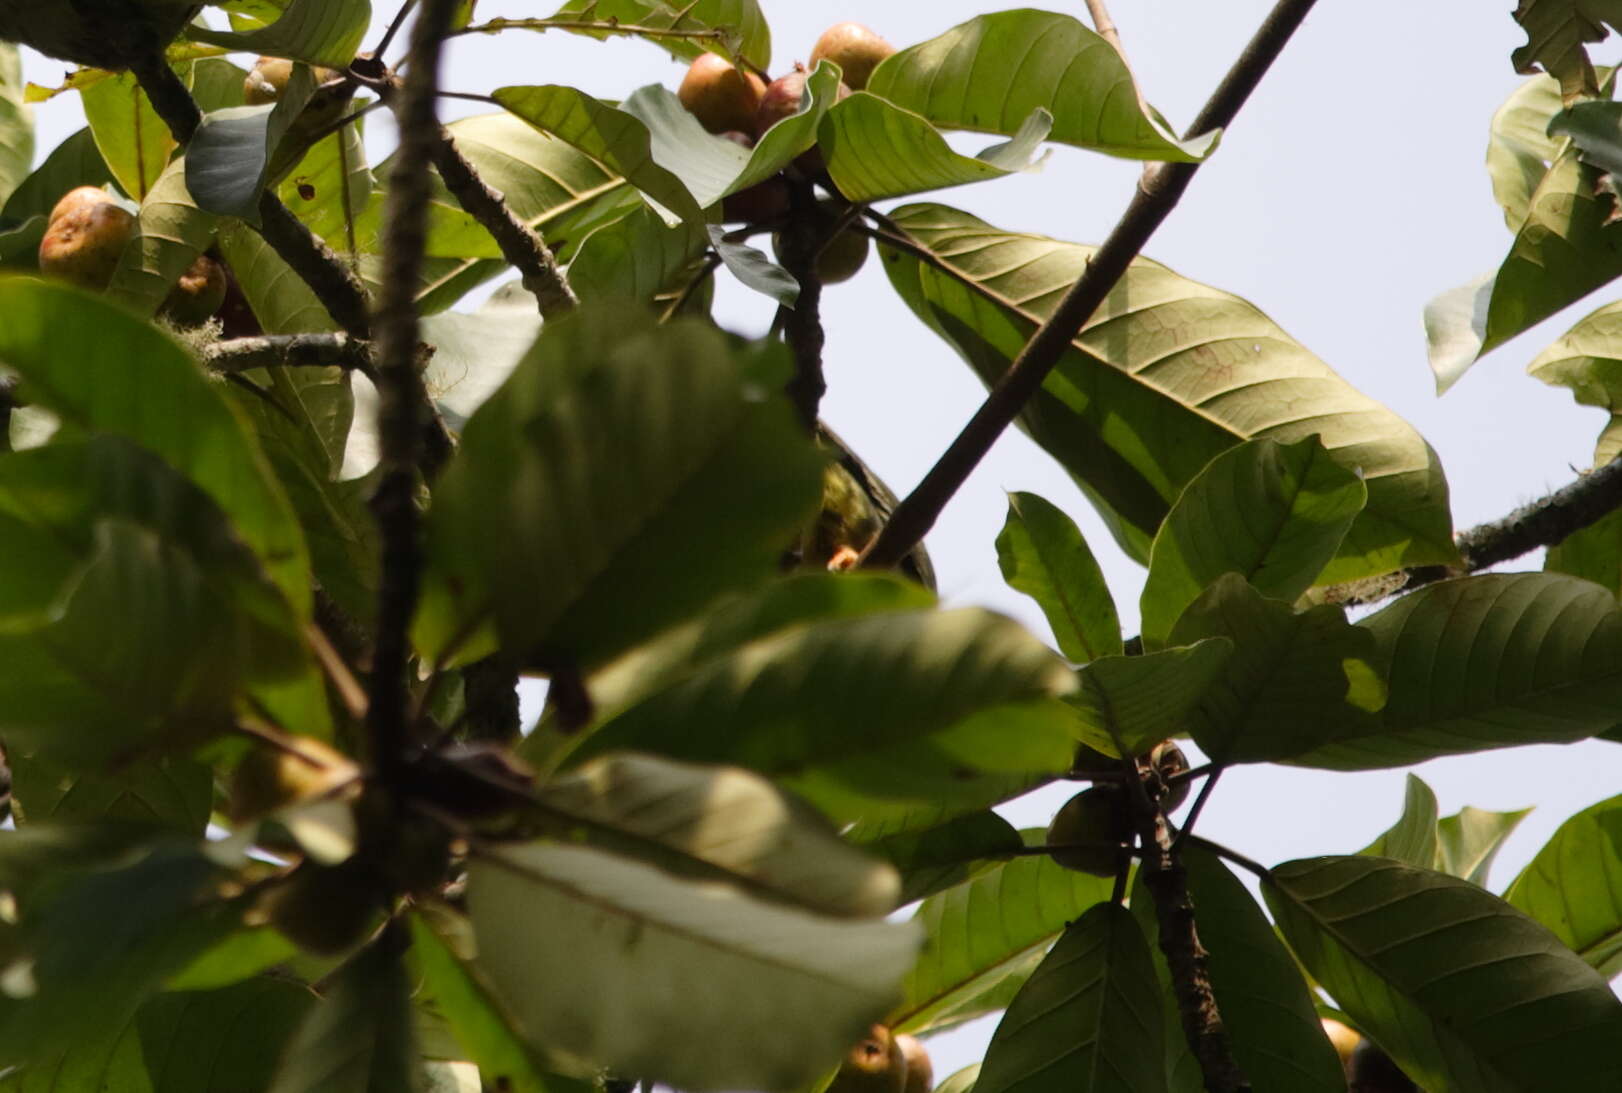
<point x="657" y="964"/>
<point x="990" y="73"/>
<point x="16" y="123"/>
<point x="632" y="471"/>
<point x="875" y="149"/>
<point x="1556" y="31"/>
<point x="1412" y="840"/>
<point x="743" y="26"/>
<point x="870" y="715"/>
<point x="1275" y="514"/>
<point x="1168" y="374"/>
<point x="1489" y="661"/>
<point x="1468" y="840"/>
<point x="1043" y="555"/>
<point x="1520" y="149"/>
<point x="1267" y="1008"/>
<point x="170" y="232"/>
<point x="1136" y="702"/>
<point x="134" y="142"/>
<point x="936" y="858"/>
<point x="1588" y="360"/>
<point x="723" y="823"/>
<point x="1573" y="886"/>
<point x="317" y="32"/>
<point x="981" y="939"/>
<point x="1089" y="1017"/>
<point x="754" y="268"/>
<point x="230" y="1038"/>
<point x="1295" y="681"/>
<point x="1461" y="989"/>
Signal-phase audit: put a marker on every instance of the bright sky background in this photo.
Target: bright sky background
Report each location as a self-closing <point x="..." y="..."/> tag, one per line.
<point x="1349" y="192"/>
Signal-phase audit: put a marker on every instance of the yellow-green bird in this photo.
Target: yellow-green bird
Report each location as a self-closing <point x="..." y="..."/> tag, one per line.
<point x="855" y="505"/>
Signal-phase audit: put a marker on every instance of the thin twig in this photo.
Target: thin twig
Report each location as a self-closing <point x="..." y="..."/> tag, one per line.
<point x="1106" y="27"/>
<point x="1199" y="806"/>
<point x="290" y="350"/>
<point x="590" y="26"/>
<point x="400" y="389"/>
<point x="343" y="681"/>
<point x="394" y="28"/>
<point x="712" y="262"/>
<point x="1249" y="865"/>
<point x="521" y="245"/>
<point x="1158" y="193"/>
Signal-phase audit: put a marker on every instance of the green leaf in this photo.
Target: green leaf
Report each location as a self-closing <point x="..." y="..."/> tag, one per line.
<point x="864" y="716"/>
<point x="231" y="1038"/>
<point x="1461" y="989"/>
<point x="102" y="369"/>
<point x="961" y="1081"/>
<point x="1595" y="127"/>
<point x="234" y="958"/>
<point x="1491" y="661"/>
<point x="990" y="73"/>
<point x="1136" y="702"/>
<point x="1089" y="1017"/>
<point x="1275" y="514"/>
<point x="1294" y="683"/>
<point x="620" y="141"/>
<point x="170" y="232"/>
<point x="1564" y="250"/>
<point x="1520" y="148"/>
<point x="483" y="1030"/>
<point x="1593" y="553"/>
<point x="1413" y="839"/>
<point x="16" y="123"/>
<point x="1555" y="33"/>
<point x="1267" y="1008"/>
<point x="982" y="939"/>
<point x="623" y="476"/>
<point x="1573" y="886"/>
<point x="936" y="858"/>
<point x="745" y="26"/>
<point x="317" y="32"/>
<point x="133" y="140"/>
<point x="173" y="794"/>
<point x="358" y="1038"/>
<point x="875" y="149"/>
<point x="1468" y="840"/>
<point x="635" y="258"/>
<point x="73" y="163"/>
<point x="655" y="964"/>
<point x="726" y="824"/>
<point x="1167" y="375"/>
<point x="754" y="269"/>
<point x="1588" y="360"/>
<point x="1043" y="555"/>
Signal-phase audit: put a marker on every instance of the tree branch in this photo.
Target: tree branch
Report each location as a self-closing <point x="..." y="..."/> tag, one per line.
<point x="166" y="92"/>
<point x="8" y="403"/>
<point x="1158" y="192"/>
<point x="520" y="245"/>
<point x="293" y="350"/>
<point x="401" y="396"/>
<point x="802" y="240"/>
<point x="1106" y="27"/>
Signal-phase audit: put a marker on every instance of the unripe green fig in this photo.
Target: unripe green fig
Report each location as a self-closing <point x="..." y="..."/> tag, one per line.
<point x="1372" y="1071"/>
<point x="920" y="1071"/>
<point x="856" y="49"/>
<point x="876" y="1064"/>
<point x="197" y="295"/>
<point x="840" y="258"/>
<point x="324" y="909"/>
<point x="82" y="244"/>
<point x="1089" y="834"/>
<point x="719" y="94"/>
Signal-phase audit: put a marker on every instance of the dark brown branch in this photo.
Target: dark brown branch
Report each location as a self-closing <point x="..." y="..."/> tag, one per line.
<point x="401" y="398"/>
<point x="8" y="403"/>
<point x="167" y="92"/>
<point x="1158" y="192"/>
<point x="293" y="350"/>
<point x="802" y="239"/>
<point x="520" y="245"/>
<point x="317" y="265"/>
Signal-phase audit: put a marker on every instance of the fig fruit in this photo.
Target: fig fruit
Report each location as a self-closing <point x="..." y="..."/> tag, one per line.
<point x="1168" y="760"/>
<point x="856" y="49"/>
<point x="719" y="94"/>
<point x="324" y="909"/>
<point x="920" y="1071"/>
<point x="876" y="1064"/>
<point x="83" y="243"/>
<point x="780" y="100"/>
<point x="840" y="257"/>
<point x="1089" y="834"/>
<point x="269" y="75"/>
<point x="79" y="200"/>
<point x="197" y="295"/>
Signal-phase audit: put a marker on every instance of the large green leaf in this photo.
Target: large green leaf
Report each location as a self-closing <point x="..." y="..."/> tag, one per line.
<point x="1168" y="374"/>
<point x="170" y="793"/>
<point x="1489" y="661"/>
<point x="75" y="162"/>
<point x="1413" y="838"/>
<point x="359" y="1038"/>
<point x="1043" y="555"/>
<point x="134" y="141"/>
<point x="625" y="474"/>
<point x="941" y="856"/>
<point x="741" y="21"/>
<point x="1088" y="1019"/>
<point x="1275" y="514"/>
<point x="1295" y="681"/>
<point x="635" y="258"/>
<point x="1267" y="1008"/>
<point x="170" y="232"/>
<point x="724" y="823"/>
<point x="317" y="32"/>
<point x="16" y="123"/>
<point x="875" y="149"/>
<point x="1593" y="553"/>
<point x="1565" y="249"/>
<point x="982" y="939"/>
<point x="1555" y="33"/>
<point x="991" y="73"/>
<point x="103" y="369"/>
<point x="1574" y="886"/>
<point x="1520" y="148"/>
<point x="1136" y="702"/>
<point x="1461" y="989"/>
<point x="872" y="715"/>
<point x="1588" y="359"/>
<point x="630" y="967"/>
<point x="226" y="1039"/>
<point x="1468" y="840"/>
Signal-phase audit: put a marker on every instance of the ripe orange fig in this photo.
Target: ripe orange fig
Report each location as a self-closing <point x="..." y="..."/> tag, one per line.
<point x="78" y="200"/>
<point x="719" y="94"/>
<point x="875" y="1065"/>
<point x="83" y="243"/>
<point x="856" y="49"/>
<point x="197" y="295"/>
<point x="920" y="1071"/>
<point x="269" y="75"/>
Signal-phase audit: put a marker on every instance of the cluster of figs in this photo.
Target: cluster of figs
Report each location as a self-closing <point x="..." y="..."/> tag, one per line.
<point x="740" y="105"/>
